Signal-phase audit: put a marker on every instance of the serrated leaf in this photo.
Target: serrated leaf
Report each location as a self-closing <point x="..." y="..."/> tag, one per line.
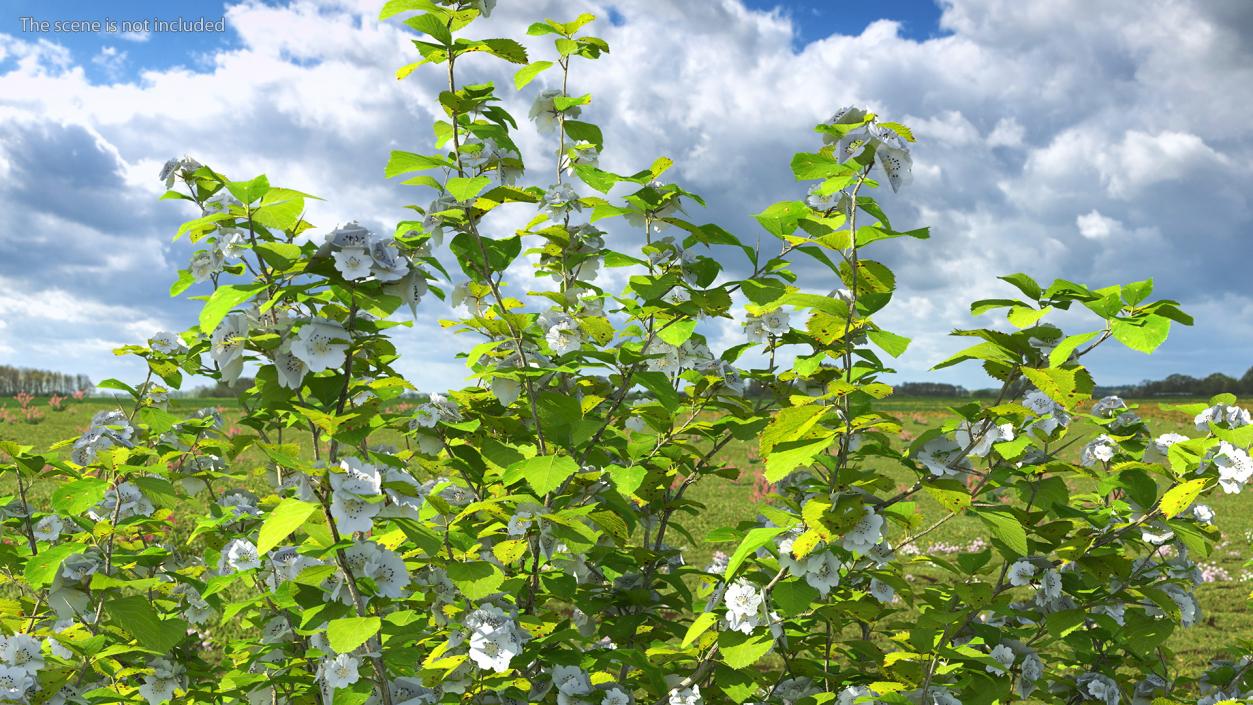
<point x="42" y="568"/>
<point x="222" y="301"/>
<point x="699" y="626"/>
<point x="527" y="73"/>
<point x="743" y="650"/>
<point x="1006" y="527"/>
<point x="543" y="472"/>
<point x="134" y="614"/>
<point x="753" y="540"/>
<point x="1181" y="496"/>
<point x="281" y="522"/>
<point x="345" y="635"/>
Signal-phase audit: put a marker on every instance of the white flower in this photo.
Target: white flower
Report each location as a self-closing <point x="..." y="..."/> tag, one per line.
<point x="865" y="534"/>
<point x="1235" y="467"/>
<point x="48" y="528"/>
<point x="410" y="288"/>
<point x="350" y="489"/>
<point x="22" y="651"/>
<point x="1225" y="415"/>
<point x="776" y="322"/>
<point x="226" y="345"/>
<point x="563" y="333"/>
<point x="685" y="696"/>
<point x="853" y="694"/>
<point x="1203" y="513"/>
<point x="1101" y="449"/>
<point x="544" y="111"/>
<point x="615" y="695"/>
<point x="14" y="682"/>
<point x="321" y="344"/>
<point x="1106" y="406"/>
<point x="166" y="678"/>
<point x="126" y="500"/>
<point x="881" y="591"/>
<point x="291" y="369"/>
<point x="571" y="682"/>
<point x="506" y="390"/>
<point x="943" y="456"/>
<point x="493" y="649"/>
<point x="1159" y="448"/>
<point x="353" y="263"/>
<point x="1116" y="611"/>
<point x="339" y="672"/>
<point x="351" y="235"/>
<point x="896" y="163"/>
<point x="822" y="571"/>
<point x="389" y="265"/>
<point x="941" y="696"/>
<point x="388" y="571"/>
<point x="1050" y="587"/>
<point x="1003" y="655"/>
<point x="1099" y="687"/>
<point x="980" y="436"/>
<point x="157" y="690"/>
<point x="206" y="263"/>
<point x="1042" y="405"/>
<point x="239" y="555"/>
<point x="166" y="343"/>
<point x="520" y="522"/>
<point x="559" y="200"/>
<point x="743" y="601"/>
<point x="1021" y="573"/>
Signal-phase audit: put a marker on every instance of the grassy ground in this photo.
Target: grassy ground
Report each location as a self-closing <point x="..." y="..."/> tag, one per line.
<point x="1224" y="599"/>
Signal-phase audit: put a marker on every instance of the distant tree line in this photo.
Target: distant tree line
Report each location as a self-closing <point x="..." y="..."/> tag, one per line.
<point x="14" y="380"/>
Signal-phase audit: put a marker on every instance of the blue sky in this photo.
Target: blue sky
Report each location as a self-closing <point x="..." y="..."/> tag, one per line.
<point x="1105" y="150"/>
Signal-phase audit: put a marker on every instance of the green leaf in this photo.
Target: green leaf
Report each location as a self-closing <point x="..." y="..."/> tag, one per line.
<point x="476" y="579"/>
<point x="699" y="626"/>
<point x="677" y="332"/>
<point x="753" y="540"/>
<point x="786" y="457"/>
<point x="466" y="188"/>
<point x="1144" y="335"/>
<point x="135" y="615"/>
<point x="527" y="73"/>
<point x="743" y="650"/>
<point x="222" y="301"/>
<point x="432" y="26"/>
<point x="1066" y="386"/>
<point x="42" y="568"/>
<point x="793" y="597"/>
<point x="281" y="522"/>
<point x="1025" y="316"/>
<point x="1061" y="353"/>
<point x="543" y="472"/>
<point x="348" y="633"/>
<point x="280" y="209"/>
<point x="1006" y="527"/>
<point x="1181" y="496"/>
<point x="405" y="162"/>
<point x="627" y="479"/>
<point x="249" y="191"/>
<point x="1025" y="284"/>
<point x="781" y="218"/>
<point x="279" y="255"/>
<point x="74" y="498"/>
<point x="891" y="343"/>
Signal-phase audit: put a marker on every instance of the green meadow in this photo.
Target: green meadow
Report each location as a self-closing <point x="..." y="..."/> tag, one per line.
<point x="1224" y="599"/>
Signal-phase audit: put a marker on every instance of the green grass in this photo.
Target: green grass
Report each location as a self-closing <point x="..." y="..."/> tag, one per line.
<point x="726" y="502"/>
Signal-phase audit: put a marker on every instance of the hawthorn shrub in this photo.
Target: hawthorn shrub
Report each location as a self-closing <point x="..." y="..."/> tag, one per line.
<point x="519" y="540"/>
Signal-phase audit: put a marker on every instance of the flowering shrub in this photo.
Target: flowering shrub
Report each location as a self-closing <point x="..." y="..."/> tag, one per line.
<point x="519" y="540"/>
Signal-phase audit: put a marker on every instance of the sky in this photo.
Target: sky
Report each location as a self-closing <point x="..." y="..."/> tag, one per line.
<point x="1103" y="143"/>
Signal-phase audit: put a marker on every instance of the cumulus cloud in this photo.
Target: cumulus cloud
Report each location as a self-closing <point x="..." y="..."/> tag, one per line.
<point x="1105" y="150"/>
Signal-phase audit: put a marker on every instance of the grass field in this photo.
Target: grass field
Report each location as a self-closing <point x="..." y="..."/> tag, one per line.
<point x="1224" y="599"/>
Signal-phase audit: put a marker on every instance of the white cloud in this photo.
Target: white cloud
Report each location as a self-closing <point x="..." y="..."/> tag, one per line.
<point x="1095" y="226"/>
<point x="1107" y="149"/>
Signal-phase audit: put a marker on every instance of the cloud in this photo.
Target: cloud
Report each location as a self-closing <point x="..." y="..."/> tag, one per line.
<point x="1110" y="149"/>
